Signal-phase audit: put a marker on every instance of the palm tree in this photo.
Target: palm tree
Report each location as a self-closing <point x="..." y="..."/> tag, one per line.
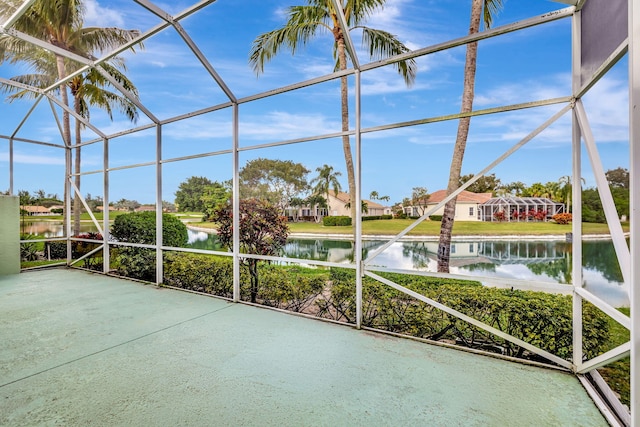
<point x="326" y="180"/>
<point x="61" y="24"/>
<point x="479" y="9"/>
<point x="319" y="16"/>
<point x="90" y="89"/>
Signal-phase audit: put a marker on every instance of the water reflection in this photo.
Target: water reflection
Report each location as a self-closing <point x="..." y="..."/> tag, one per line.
<point x="51" y="228"/>
<point x="542" y="261"/>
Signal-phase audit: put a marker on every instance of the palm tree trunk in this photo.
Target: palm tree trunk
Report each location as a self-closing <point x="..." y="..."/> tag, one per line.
<point x="344" y="100"/>
<point x="66" y="132"/>
<point x="444" y="245"/>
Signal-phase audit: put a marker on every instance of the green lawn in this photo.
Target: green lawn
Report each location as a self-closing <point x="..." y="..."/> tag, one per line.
<point x="395" y="226"/>
<point x="432" y="228"/>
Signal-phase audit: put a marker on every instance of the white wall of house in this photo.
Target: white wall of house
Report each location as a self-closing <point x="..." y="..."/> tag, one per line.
<point x="465" y="211"/>
<point x="337" y="208"/>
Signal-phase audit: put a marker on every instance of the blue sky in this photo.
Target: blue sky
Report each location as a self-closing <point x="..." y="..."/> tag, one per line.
<point x="528" y="65"/>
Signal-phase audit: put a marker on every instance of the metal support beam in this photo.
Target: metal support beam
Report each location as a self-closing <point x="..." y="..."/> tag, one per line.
<point x="192" y="45"/>
<point x="634" y="181"/>
<point x="236" y="205"/>
<point x="358" y="200"/>
<point x="106" y="226"/>
<point x="617" y="234"/>
<point x="344" y="25"/>
<point x="576" y="197"/>
<point x="18" y="13"/>
<point x="159" y="243"/>
<point x="128" y="94"/>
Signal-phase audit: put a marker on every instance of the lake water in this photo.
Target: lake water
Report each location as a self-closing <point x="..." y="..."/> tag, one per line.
<point x="545" y="261"/>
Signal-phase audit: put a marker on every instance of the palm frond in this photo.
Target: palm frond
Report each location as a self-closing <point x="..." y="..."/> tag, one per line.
<point x="302" y="25"/>
<point x="382" y="44"/>
<point x="491" y="9"/>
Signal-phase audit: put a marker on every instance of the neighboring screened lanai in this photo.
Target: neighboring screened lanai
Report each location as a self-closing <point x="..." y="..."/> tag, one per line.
<point x="557" y="95"/>
<point x="512" y="208"/>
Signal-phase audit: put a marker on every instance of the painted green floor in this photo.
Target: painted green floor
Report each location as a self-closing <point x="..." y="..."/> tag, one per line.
<point x="79" y="349"/>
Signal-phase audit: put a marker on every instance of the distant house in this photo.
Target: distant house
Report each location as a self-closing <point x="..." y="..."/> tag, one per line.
<point x="36" y="210"/>
<point x="512" y="208"/>
<point x="339" y="204"/>
<point x="146" y="208"/>
<point x="467" y="205"/>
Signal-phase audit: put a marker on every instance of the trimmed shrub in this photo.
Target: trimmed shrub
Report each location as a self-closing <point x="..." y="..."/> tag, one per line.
<point x="376" y="217"/>
<point x="285" y="288"/>
<point x="202" y="273"/>
<point x="538" y="318"/>
<point x="282" y="287"/>
<point x="332" y="221"/>
<point x="140" y="227"/>
<point x="435" y="217"/>
<point x="80" y="249"/>
<point x="55" y="250"/>
<point x="563" y="218"/>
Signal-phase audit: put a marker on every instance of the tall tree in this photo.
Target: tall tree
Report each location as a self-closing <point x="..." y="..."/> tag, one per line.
<point x="189" y="197"/>
<point x="485" y="184"/>
<point x="320" y="17"/>
<point x="61" y="23"/>
<point x="90" y="89"/>
<point x="274" y="180"/>
<point x="326" y="181"/>
<point x="419" y="198"/>
<point x="479" y="9"/>
<point x="618" y="177"/>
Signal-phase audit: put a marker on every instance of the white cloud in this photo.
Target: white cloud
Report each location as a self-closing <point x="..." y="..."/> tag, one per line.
<point x="33" y="159"/>
<point x="268" y="127"/>
<point x="96" y="15"/>
<point x="606" y="106"/>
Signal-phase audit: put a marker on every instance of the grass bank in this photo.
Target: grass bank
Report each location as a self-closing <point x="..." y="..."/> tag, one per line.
<point x="432" y="228"/>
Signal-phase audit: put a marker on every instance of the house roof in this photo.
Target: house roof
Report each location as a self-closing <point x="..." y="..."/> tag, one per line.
<point x="463" y="197"/>
<point x="36" y="209"/>
<point x="145" y="208"/>
<point x="344" y="197"/>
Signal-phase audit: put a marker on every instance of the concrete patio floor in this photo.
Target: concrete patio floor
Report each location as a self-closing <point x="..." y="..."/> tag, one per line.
<point x="82" y="349"/>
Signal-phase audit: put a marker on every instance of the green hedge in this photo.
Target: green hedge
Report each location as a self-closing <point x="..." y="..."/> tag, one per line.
<point x="203" y="273"/>
<point x="332" y="221"/>
<point x="541" y="319"/>
<point x="376" y="217"/>
<point x="56" y="250"/>
<point x="282" y="287"/>
<point x="140" y="227"/>
<point x="538" y="318"/>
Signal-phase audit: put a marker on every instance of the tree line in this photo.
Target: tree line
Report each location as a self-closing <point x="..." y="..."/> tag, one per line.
<point x="283" y="183"/>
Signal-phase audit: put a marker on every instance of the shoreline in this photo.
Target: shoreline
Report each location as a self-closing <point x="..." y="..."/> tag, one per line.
<point x="429" y="237"/>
